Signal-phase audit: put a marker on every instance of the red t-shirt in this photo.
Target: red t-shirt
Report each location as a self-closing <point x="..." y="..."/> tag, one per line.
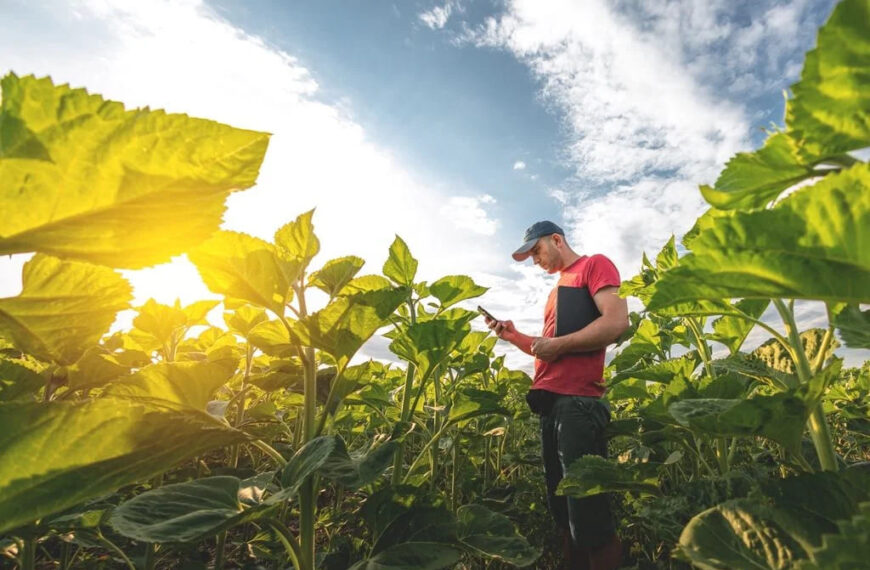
<point x="576" y="374"/>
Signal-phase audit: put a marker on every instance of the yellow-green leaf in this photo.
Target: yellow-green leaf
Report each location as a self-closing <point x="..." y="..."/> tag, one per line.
<point x="81" y="177"/>
<point x="63" y="309"/>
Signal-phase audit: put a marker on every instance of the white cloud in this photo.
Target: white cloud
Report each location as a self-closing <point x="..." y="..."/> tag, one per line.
<point x="183" y="57"/>
<point x="519" y="165"/>
<point x="437" y="17"/>
<point x="468" y="213"/>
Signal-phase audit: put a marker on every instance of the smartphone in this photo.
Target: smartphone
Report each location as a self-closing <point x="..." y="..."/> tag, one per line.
<point x="485" y="313"/>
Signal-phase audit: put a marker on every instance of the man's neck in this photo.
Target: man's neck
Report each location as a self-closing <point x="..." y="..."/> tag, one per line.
<point x="569" y="259"/>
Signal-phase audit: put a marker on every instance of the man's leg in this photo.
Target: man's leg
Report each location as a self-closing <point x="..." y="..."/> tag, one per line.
<point x="579" y="425"/>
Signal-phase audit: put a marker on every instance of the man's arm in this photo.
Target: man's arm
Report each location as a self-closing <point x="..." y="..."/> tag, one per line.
<point x="506" y="330"/>
<point x="598" y="334"/>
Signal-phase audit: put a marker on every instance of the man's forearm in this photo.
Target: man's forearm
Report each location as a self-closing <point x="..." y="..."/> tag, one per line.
<point x="521" y="341"/>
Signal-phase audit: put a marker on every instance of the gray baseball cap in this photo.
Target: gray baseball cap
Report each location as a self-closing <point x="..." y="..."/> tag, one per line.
<point x="535" y="232"/>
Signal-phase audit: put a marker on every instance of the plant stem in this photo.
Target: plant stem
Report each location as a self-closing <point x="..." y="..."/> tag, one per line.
<point x="270" y="451"/>
<point x="289" y="542"/>
<point x="219" y="551"/>
<point x="28" y="554"/>
<point x="818" y="426"/>
<point x="406" y="400"/>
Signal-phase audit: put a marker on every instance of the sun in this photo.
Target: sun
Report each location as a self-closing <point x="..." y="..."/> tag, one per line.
<point x="177" y="279"/>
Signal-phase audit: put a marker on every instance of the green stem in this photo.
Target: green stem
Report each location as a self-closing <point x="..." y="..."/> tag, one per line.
<point x="406" y="401"/>
<point x="150" y="555"/>
<point x="426" y="447"/>
<point x="28" y="554"/>
<point x="289" y="542"/>
<point x="818" y="426"/>
<point x="270" y="451"/>
<point x="219" y="550"/>
<point x="98" y="537"/>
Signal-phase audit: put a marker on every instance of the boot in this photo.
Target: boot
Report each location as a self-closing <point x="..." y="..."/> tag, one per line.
<point x="573" y="558"/>
<point x="607" y="556"/>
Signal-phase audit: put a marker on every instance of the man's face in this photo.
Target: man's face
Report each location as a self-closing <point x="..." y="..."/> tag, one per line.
<point x="546" y="255"/>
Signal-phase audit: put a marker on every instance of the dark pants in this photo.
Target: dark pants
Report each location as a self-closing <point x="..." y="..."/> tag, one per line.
<point x="573" y="428"/>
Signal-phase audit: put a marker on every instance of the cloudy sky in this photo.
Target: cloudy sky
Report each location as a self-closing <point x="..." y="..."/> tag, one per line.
<point x="454" y="124"/>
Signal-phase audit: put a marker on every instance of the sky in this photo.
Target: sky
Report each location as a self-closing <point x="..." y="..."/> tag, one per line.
<point x="454" y="124"/>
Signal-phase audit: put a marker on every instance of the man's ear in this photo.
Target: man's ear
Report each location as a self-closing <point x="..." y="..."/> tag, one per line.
<point x="558" y="240"/>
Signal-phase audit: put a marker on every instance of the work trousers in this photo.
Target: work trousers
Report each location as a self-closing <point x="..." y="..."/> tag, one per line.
<point x="574" y="427"/>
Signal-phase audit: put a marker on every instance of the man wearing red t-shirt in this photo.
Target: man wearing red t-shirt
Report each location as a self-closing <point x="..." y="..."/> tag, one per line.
<point x="567" y="390"/>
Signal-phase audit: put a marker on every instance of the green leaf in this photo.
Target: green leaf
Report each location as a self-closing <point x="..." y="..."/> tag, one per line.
<point x="412" y="556"/>
<point x="244" y="318"/>
<point x="493" y="535"/>
<point x="184" y="512"/>
<point x="751" y="180"/>
<point x="452" y="289"/>
<point x="96" y="368"/>
<point x="733" y="330"/>
<point x="663" y="371"/>
<point x="63" y="309"/>
<point x="846" y="550"/>
<point x="853" y="324"/>
<point x="273" y="338"/>
<point x="592" y="475"/>
<point x="743" y="533"/>
<point x="59" y="454"/>
<point x="304" y="463"/>
<point x="360" y="470"/>
<point x="830" y="111"/>
<point x="811" y="245"/>
<point x="400" y="266"/>
<point x="190" y="384"/>
<point x="335" y="274"/>
<point x="246" y="268"/>
<point x="471" y="403"/>
<point x="426" y="344"/>
<point x="780" y="417"/>
<point x="18" y="382"/>
<point x="81" y="177"/>
<point x="296" y="240"/>
<point x="346" y="323"/>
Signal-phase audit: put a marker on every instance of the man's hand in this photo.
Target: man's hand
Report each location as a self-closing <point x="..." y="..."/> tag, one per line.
<point x="546" y="349"/>
<point x="502" y="329"/>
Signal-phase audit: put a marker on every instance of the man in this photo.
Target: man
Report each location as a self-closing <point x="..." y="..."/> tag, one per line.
<point x="568" y="387"/>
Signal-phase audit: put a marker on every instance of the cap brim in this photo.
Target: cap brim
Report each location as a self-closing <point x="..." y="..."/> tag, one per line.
<point x="523" y="252"/>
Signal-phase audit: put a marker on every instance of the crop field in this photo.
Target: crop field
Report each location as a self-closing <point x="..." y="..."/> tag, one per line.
<point x="264" y="442"/>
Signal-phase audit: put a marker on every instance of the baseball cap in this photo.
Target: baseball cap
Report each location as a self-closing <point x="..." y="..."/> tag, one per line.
<point x="535" y="232"/>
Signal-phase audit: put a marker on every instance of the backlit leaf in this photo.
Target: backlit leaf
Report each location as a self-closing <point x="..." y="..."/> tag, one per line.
<point x="732" y="330"/>
<point x="455" y="288"/>
<point x="592" y="475"/>
<point x="18" y="382"/>
<point x="243" y="267"/>
<point x="63" y="309"/>
<point x="190" y="384"/>
<point x="400" y="266"/>
<point x="81" y="177"/>
<point x="830" y="111"/>
<point x="335" y="274"/>
<point x="853" y="324"/>
<point x="296" y="240"/>
<point x="58" y="454"/>
<point x="811" y="245"/>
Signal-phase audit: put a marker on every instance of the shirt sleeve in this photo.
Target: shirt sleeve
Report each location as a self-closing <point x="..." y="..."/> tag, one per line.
<point x="601" y="272"/>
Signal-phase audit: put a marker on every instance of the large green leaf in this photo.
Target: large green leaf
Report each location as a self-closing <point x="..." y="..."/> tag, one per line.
<point x="830" y="112"/>
<point x="400" y="266"/>
<point x="846" y="550"/>
<point x="244" y="318"/>
<point x="452" y="289"/>
<point x="58" y="454"/>
<point x="165" y="323"/>
<point x="296" y="240"/>
<point x="743" y="533"/>
<point x="18" y="382"/>
<point x="493" y="535"/>
<point x="243" y="267"/>
<point x="592" y="475"/>
<point x="412" y="556"/>
<point x="426" y="344"/>
<point x="346" y="323"/>
<point x="780" y="417"/>
<point x="732" y="330"/>
<point x="97" y="367"/>
<point x="190" y="384"/>
<point x="853" y="324"/>
<point x="63" y="309"/>
<point x="751" y="180"/>
<point x="471" y="403"/>
<point x="184" y="512"/>
<point x="82" y="177"/>
<point x="663" y="371"/>
<point x="335" y="274"/>
<point x="273" y="338"/>
<point x="812" y="245"/>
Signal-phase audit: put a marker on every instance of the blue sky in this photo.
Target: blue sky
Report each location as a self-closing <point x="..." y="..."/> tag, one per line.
<point x="452" y="123"/>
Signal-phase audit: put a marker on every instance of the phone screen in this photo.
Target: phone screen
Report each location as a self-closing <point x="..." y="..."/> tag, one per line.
<point x="486" y="313"/>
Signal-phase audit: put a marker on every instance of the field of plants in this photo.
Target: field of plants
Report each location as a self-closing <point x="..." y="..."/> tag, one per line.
<point x="263" y="442"/>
